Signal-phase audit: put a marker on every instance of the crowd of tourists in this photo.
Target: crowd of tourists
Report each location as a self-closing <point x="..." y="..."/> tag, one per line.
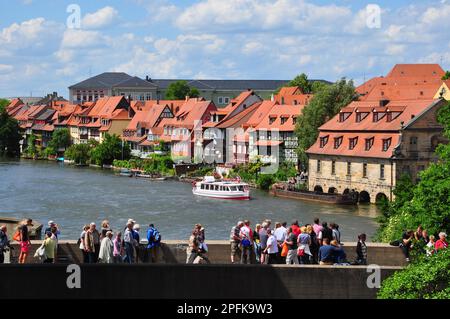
<point x="267" y="243"/>
<point x="429" y="244"/>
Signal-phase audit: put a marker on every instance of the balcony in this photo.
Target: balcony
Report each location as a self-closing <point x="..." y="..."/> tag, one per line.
<point x="84" y="136"/>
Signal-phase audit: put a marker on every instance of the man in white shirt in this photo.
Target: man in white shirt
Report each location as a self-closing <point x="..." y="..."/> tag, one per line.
<point x="246" y="242"/>
<point x="272" y="248"/>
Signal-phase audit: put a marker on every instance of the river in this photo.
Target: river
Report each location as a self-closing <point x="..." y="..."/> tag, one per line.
<point x="73" y="196"/>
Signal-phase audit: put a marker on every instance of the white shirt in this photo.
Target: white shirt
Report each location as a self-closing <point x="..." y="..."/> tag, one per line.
<point x="245" y="232"/>
<point x="272" y="247"/>
<point x="280" y="233"/>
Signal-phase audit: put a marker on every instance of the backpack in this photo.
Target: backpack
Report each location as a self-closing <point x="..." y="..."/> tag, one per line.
<point x="156" y="238"/>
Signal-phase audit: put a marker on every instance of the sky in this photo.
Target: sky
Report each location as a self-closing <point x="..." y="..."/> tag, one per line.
<point x="48" y="45"/>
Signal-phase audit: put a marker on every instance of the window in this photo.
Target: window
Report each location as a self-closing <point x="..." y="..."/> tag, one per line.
<point x="352" y="143"/>
<point x="343" y="116"/>
<point x="413" y="140"/>
<point x="337" y="142"/>
<point x="294" y="120"/>
<point x="272" y="119"/>
<point x="369" y="143"/>
<point x="226" y="100"/>
<point x="365" y="170"/>
<point x="361" y="116"/>
<point x="386" y="144"/>
<point x="323" y="141"/>
<point x="333" y="167"/>
<point x="381" y="171"/>
<point x="349" y="168"/>
<point x="220" y="100"/>
<point x="283" y="120"/>
<point x="318" y="166"/>
<point x="148" y="96"/>
<point x="378" y="116"/>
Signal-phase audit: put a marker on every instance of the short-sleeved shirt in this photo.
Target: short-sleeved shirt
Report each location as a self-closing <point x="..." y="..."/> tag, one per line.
<point x="326" y="253"/>
<point x="317" y="228"/>
<point x="263" y="238"/>
<point x="280" y="234"/>
<point x="292" y="238"/>
<point x="235" y="231"/>
<point x="272" y="245"/>
<point x="50" y="247"/>
<point x="304" y="239"/>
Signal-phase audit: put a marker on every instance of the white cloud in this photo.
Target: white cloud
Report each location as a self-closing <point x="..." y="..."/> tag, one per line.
<point x="78" y="38"/>
<point x="252" y="47"/>
<point x="395" y="49"/>
<point x="5" y="68"/>
<point x="100" y="19"/>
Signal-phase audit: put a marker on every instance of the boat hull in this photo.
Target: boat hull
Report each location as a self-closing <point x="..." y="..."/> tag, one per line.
<point x="221" y="195"/>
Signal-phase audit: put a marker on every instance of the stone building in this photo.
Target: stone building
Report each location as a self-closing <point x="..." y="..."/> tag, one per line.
<point x="368" y="146"/>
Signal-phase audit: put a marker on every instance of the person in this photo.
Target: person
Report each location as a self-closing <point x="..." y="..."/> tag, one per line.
<point x="339" y="255"/>
<point x="325" y="233"/>
<point x="361" y="250"/>
<point x="51" y="224"/>
<point x="441" y="243"/>
<point x="257" y="244"/>
<point x="280" y="235"/>
<point x="25" y="244"/>
<point x="429" y="248"/>
<point x="314" y="246"/>
<point x="105" y="228"/>
<point x="246" y="236"/>
<point x="272" y="248"/>
<point x="49" y="247"/>
<point x="418" y="234"/>
<point x="335" y="233"/>
<point x="425" y="237"/>
<point x="295" y="228"/>
<point x="304" y="241"/>
<point x="291" y="242"/>
<point x="4" y="243"/>
<point x="193" y="247"/>
<point x="106" y="253"/>
<point x="81" y="244"/>
<point x="316" y="226"/>
<point x="326" y="253"/>
<point x="154" y="243"/>
<point x="203" y="248"/>
<point x="263" y="241"/>
<point x="137" y="238"/>
<point x="88" y="244"/>
<point x="96" y="237"/>
<point x="54" y="231"/>
<point x="235" y="240"/>
<point x="406" y="243"/>
<point x="118" y="249"/>
<point x="129" y="244"/>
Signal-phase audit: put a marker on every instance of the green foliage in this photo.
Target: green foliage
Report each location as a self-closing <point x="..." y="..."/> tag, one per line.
<point x="79" y="153"/>
<point x="426" y="278"/>
<point x="446" y="76"/>
<point x="49" y="151"/>
<point x="9" y="133"/>
<point x="306" y="86"/>
<point x="110" y="149"/>
<point x="325" y="104"/>
<point x="60" y="139"/>
<point x="155" y="165"/>
<point x="179" y="90"/>
<point x="31" y="146"/>
<point x="265" y="181"/>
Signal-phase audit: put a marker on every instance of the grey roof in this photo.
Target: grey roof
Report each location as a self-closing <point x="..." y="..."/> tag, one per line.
<point x="135" y="82"/>
<point x="104" y="80"/>
<point x="116" y="79"/>
<point x="46" y="115"/>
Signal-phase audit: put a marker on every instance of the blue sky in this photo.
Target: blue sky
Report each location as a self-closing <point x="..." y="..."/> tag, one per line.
<point x="217" y="39"/>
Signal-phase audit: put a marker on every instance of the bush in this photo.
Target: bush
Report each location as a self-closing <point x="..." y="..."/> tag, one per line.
<point x="265" y="181"/>
<point x="427" y="278"/>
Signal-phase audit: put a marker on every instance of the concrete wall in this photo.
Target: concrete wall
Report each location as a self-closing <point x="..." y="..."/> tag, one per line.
<point x="189" y="282"/>
<point x="174" y="252"/>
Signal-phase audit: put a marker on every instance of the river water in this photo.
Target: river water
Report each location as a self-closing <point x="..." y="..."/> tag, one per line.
<point x="73" y="196"/>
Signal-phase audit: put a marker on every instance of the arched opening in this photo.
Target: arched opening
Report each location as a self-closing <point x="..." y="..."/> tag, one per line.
<point x="364" y="197"/>
<point x="332" y="190"/>
<point x="318" y="189"/>
<point x="346" y="191"/>
<point x="381" y="198"/>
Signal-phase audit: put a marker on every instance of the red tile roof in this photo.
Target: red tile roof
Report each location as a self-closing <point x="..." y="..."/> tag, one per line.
<point x="287" y="112"/>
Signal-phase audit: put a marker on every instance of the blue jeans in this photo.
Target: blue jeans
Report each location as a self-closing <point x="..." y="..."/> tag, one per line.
<point x="129" y="253"/>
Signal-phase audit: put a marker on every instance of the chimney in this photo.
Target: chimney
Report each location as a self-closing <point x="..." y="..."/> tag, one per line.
<point x="186" y="98"/>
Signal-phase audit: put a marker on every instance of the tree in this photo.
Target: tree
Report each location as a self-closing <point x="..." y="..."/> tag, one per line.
<point x="179" y="90"/>
<point x="79" y="153"/>
<point x="3" y="104"/>
<point x="446" y="76"/>
<point x="325" y="104"/>
<point x="60" y="139"/>
<point x="306" y="86"/>
<point x="9" y="133"/>
<point x="110" y="149"/>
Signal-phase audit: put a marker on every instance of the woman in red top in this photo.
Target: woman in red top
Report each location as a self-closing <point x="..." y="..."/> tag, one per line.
<point x="441" y="243"/>
<point x="24" y="244"/>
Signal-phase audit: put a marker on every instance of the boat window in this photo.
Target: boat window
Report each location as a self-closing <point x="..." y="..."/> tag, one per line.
<point x="216" y="187"/>
<point x="233" y="188"/>
<point x="203" y="186"/>
<point x="241" y="188"/>
<point x="228" y="189"/>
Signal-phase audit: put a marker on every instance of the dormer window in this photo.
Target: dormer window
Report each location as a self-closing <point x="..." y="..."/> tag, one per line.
<point x="337" y="142"/>
<point x="352" y="143"/>
<point x="361" y="116"/>
<point x="386" y="144"/>
<point x="369" y="143"/>
<point x="343" y="116"/>
<point x="272" y="119"/>
<point x="284" y="119"/>
<point x="294" y="120"/>
<point x="378" y="116"/>
<point x="323" y="141"/>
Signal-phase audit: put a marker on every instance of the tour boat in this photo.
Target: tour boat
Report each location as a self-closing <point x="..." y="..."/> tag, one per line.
<point x="232" y="189"/>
